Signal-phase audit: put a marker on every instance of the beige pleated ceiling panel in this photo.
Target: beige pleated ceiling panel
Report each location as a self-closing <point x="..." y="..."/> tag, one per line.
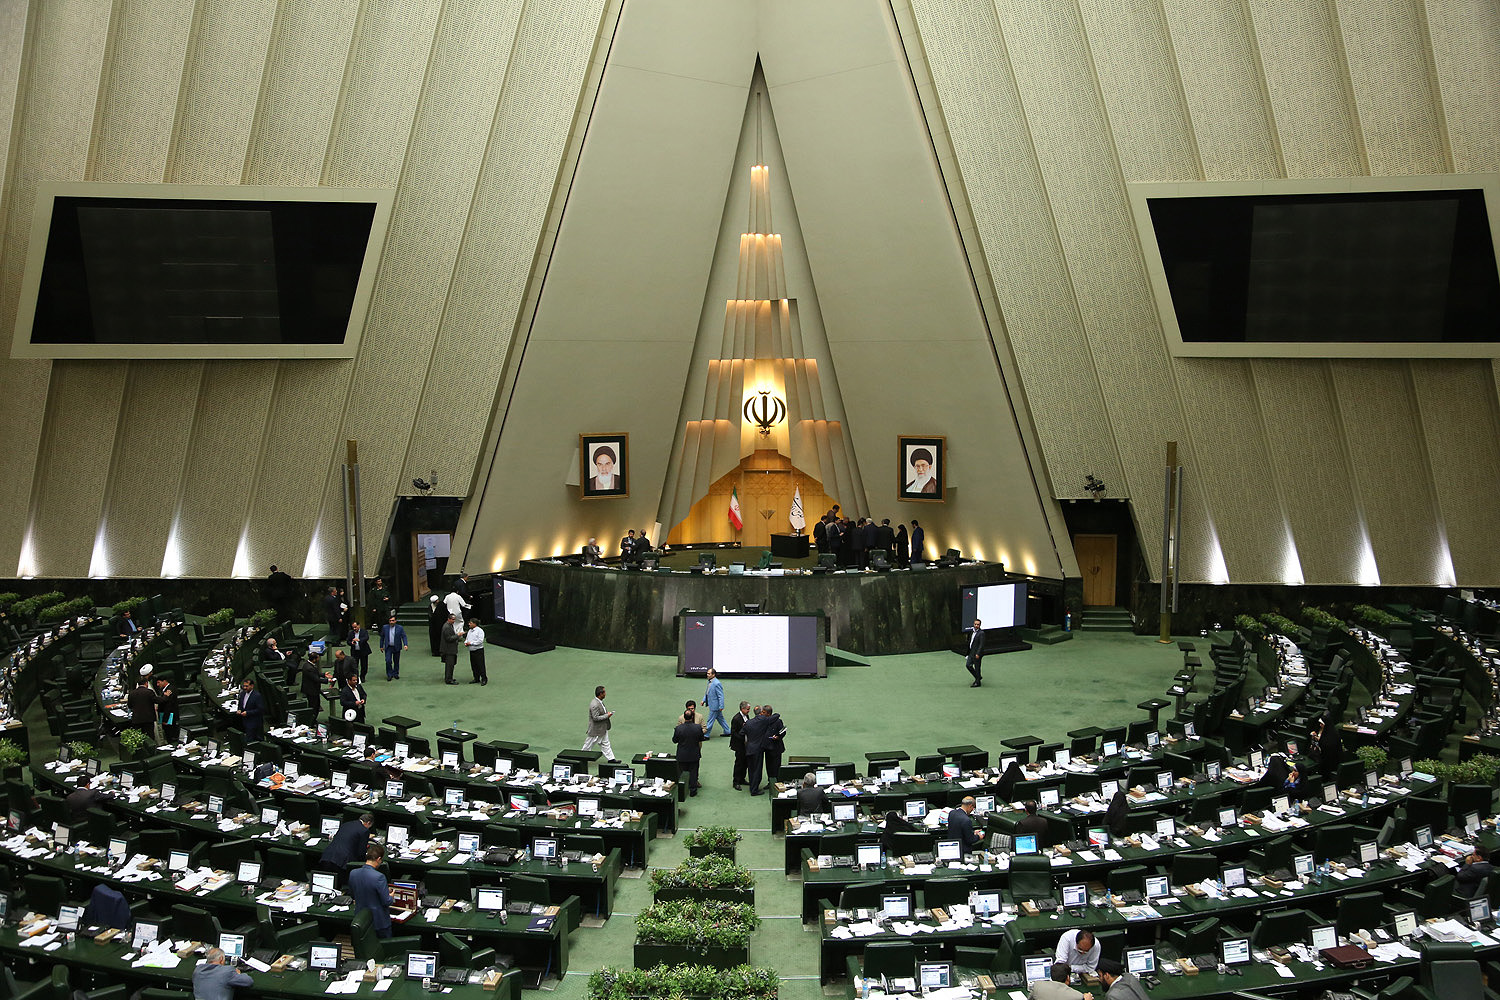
<point x="729" y="232"/>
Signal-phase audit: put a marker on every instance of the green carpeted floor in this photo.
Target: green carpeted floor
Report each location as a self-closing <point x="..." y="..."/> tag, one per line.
<point x="914" y="703"/>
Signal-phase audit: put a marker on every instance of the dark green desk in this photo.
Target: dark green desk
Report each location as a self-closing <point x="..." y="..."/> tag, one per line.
<point x="106" y="962"/>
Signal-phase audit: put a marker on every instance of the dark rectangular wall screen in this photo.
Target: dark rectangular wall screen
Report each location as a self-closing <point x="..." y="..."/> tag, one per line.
<point x="184" y="271"/>
<point x="1381" y="267"/>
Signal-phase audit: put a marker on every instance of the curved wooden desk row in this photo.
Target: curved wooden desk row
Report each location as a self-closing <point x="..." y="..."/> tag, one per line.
<point x="1236" y="842"/>
<point x="579" y="886"/>
<point x="632" y="838"/>
<point x="547" y="948"/>
<point x="872" y="614"/>
<point x="1142" y="926"/>
<point x="107" y="962"/>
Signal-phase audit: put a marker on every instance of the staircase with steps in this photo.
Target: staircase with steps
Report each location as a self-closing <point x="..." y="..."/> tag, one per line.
<point x="1106" y="620"/>
<point x="1047" y="635"/>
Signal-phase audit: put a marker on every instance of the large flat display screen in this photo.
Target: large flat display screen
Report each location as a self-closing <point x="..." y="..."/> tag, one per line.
<point x="518" y="603"/>
<point x="997" y="605"/>
<point x="751" y="644"/>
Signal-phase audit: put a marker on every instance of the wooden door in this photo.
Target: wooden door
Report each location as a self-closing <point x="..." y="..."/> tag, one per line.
<point x="1096" y="561"/>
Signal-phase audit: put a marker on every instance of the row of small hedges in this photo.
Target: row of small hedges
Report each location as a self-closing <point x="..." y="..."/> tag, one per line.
<point x="673" y="982"/>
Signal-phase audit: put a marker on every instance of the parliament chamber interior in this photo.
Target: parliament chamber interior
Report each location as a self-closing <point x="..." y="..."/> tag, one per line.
<point x="451" y="540"/>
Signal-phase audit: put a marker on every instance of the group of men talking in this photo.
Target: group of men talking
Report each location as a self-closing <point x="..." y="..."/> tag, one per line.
<point x="856" y="543"/>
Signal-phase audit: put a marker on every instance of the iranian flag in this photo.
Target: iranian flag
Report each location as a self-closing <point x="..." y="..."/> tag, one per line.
<point x="734" y="510"/>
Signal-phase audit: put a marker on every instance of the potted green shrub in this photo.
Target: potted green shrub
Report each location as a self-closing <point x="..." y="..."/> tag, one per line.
<point x="713" y="877"/>
<point x="684" y="982"/>
<point x="263" y="617"/>
<point x="83" y="750"/>
<point x="134" y="744"/>
<point x="220" y="621"/>
<point x="1249" y="625"/>
<point x="711" y="839"/>
<point x="1371" y="756"/>
<point x="12" y="758"/>
<point x="699" y="932"/>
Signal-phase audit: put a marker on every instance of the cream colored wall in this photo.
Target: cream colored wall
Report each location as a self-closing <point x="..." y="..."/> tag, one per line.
<point x="1040" y="112"/>
<point x="1332" y="471"/>
<point x="906" y="335"/>
<point x="465" y="108"/>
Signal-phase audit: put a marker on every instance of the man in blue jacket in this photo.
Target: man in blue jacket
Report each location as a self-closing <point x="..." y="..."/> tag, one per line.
<point x="713" y="703"/>
<point x="393" y="641"/>
<point x="371" y="891"/>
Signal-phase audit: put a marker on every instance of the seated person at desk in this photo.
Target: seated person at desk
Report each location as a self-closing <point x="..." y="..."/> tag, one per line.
<point x="81" y="799"/>
<point x="1325" y="744"/>
<point x="1078" y="950"/>
<point x="213" y="980"/>
<point x="1057" y="988"/>
<point x="811" y="799"/>
<point x="1117" y="816"/>
<point x="961" y="825"/>
<point x="1032" y="823"/>
<point x="1006" y="786"/>
<point x="371" y="891"/>
<point x="349" y="843"/>
<point x="1281" y="775"/>
<point x="1475" y="869"/>
<point x="1119" y="984"/>
<point x="590" y="553"/>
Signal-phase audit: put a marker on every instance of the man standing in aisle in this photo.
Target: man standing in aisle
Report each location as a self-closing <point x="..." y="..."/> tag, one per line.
<point x="976" y="652"/>
<point x="252" y="709"/>
<point x="600" y="720"/>
<point x="371" y="891"/>
<point x="359" y="648"/>
<point x="392" y="641"/>
<point x="713" y="704"/>
<point x="474" y="643"/>
<point x="453" y="636"/>
<point x="918" y="536"/>
<point x="689" y="737"/>
<point x="737" y="744"/>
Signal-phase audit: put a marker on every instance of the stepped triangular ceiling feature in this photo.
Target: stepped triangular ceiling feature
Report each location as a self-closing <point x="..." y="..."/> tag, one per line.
<point x="760" y="344"/>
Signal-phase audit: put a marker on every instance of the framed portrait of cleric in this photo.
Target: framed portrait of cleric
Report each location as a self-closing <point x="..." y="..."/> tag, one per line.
<point x="921" y="468"/>
<point x="606" y="465"/>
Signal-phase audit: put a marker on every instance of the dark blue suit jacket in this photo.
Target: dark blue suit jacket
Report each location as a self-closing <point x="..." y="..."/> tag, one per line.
<point x="961" y="825"/>
<point x="255" y="714"/>
<point x="371" y="892"/>
<point x="348" y="844"/>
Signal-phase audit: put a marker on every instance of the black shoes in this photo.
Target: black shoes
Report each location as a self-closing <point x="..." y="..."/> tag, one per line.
<point x="974" y="685"/>
<point x="614" y="760"/>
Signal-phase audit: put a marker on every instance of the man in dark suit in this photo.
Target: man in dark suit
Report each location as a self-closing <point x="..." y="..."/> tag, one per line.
<point x="272" y="651"/>
<point x="252" y="709"/>
<point x="834" y="536"/>
<point x="811" y="799"/>
<point x="1031" y="823"/>
<point x="857" y="543"/>
<point x="737" y="744"/>
<point x="333" y="612"/>
<point x="917" y="537"/>
<point x="312" y="678"/>
<point x="885" y="538"/>
<point x="820" y="534"/>
<point x="755" y="748"/>
<point x="359" y="648"/>
<point x="81" y="799"/>
<point x="392" y="641"/>
<point x="775" y="734"/>
<point x="352" y="695"/>
<point x="371" y="891"/>
<point x="961" y="825"/>
<point x="976" y="651"/>
<point x="281" y="592"/>
<point x="871" y="539"/>
<point x="461" y="586"/>
<point x="349" y="843"/>
<point x="627" y="546"/>
<point x="689" y="736"/>
<point x="126" y="626"/>
<point x="141" y="702"/>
